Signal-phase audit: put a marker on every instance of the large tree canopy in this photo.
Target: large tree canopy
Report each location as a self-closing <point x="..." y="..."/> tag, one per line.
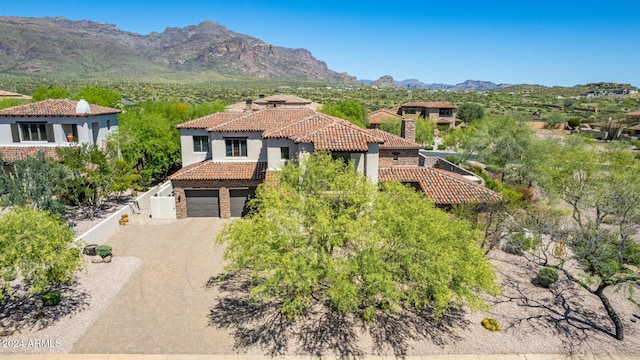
<point x="39" y="247"/>
<point x="349" y="110"/>
<point x="324" y="233"/>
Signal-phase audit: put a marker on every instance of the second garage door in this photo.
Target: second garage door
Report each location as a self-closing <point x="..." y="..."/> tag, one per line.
<point x="239" y="198"/>
<point x="202" y="203"/>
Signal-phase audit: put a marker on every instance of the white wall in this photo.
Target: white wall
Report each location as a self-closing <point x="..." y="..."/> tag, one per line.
<point x="85" y="132"/>
<point x="256" y="149"/>
<point x="273" y="152"/>
<point x="186" y="143"/>
<point x="372" y="157"/>
<point x="358" y="160"/>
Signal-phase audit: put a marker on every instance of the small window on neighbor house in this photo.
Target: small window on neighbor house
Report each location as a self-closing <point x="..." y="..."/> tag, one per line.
<point x="33" y="131"/>
<point x="108" y="124"/>
<point x="284" y="153"/>
<point x="446" y="112"/>
<point x="200" y="143"/>
<point x="236" y="147"/>
<point x="395" y="155"/>
<point x="339" y="155"/>
<point x="410" y="110"/>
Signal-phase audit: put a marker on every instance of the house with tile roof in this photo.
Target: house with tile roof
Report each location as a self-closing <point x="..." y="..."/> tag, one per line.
<point x="225" y="156"/>
<point x="279" y="101"/>
<point x="45" y="125"/>
<point x="440" y="112"/>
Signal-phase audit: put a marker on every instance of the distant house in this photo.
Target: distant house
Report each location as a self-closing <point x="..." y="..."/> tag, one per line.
<point x="47" y="124"/>
<point x="274" y="101"/>
<point x="11" y="95"/>
<point x="440" y="112"/>
<point x="633" y="130"/>
<point x="376" y="118"/>
<point x="225" y="156"/>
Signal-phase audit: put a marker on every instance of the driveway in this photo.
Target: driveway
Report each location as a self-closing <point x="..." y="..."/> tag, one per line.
<point x="163" y="308"/>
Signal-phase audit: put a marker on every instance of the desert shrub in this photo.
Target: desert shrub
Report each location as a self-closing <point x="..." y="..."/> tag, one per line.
<point x="50" y="298"/>
<point x="453" y="159"/>
<point x="526" y="192"/>
<point x="574" y="122"/>
<point x="631" y="254"/>
<point x="428" y="147"/>
<point x="490" y="324"/>
<point x="442" y="147"/>
<point x="103" y="250"/>
<point x="609" y="219"/>
<point x="519" y="242"/>
<point x="9" y="275"/>
<point x="547" y="276"/>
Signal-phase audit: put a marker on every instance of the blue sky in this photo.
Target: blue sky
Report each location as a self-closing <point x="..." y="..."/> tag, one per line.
<point x="537" y="42"/>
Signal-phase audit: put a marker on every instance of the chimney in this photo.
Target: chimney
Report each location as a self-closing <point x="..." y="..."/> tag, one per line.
<point x="249" y="108"/>
<point x="408" y="129"/>
<point x="82" y="107"/>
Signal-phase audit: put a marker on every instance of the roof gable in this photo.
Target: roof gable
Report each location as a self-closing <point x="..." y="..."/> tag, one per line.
<point x="392" y="141"/>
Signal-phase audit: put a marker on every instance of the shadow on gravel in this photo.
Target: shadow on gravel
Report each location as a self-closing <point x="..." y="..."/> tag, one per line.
<point x="25" y="311"/>
<point x="559" y="310"/>
<point x="321" y="331"/>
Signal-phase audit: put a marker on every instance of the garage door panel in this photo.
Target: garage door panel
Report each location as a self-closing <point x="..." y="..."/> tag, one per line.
<point x="239" y="199"/>
<point x="202" y="203"/>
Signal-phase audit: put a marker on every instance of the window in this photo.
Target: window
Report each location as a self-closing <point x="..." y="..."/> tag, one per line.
<point x="395" y="155"/>
<point x="446" y="112"/>
<point x="284" y="153"/>
<point x="344" y="156"/>
<point x="410" y="110"/>
<point x="200" y="143"/>
<point x="34" y="132"/>
<point x="236" y="147"/>
<point x="108" y="124"/>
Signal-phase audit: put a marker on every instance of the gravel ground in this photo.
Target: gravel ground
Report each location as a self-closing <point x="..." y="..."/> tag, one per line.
<point x="44" y="330"/>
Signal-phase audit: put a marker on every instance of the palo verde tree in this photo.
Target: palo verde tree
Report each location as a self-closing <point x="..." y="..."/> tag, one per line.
<point x="325" y="235"/>
<point x="35" y="182"/>
<point x="468" y="112"/>
<point x="350" y="110"/>
<point x="602" y="188"/>
<point x="38" y="247"/>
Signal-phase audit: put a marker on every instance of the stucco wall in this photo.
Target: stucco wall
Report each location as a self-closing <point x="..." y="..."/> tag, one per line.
<point x="106" y="125"/>
<point x="186" y="143"/>
<point x="256" y="150"/>
<point x="371" y="168"/>
<point x="273" y="152"/>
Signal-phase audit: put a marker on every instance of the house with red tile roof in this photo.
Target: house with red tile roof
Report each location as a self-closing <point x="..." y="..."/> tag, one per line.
<point x="45" y="125"/>
<point x="442" y="113"/>
<point x="225" y="156"/>
<point x="266" y="102"/>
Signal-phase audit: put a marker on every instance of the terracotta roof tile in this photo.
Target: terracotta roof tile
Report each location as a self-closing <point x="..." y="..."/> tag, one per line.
<point x="209" y="170"/>
<point x="297" y="124"/>
<point x="55" y="107"/>
<point x="379" y="116"/>
<point x="442" y="188"/>
<point x="430" y="104"/>
<point x="392" y="141"/>
<point x="16" y="153"/>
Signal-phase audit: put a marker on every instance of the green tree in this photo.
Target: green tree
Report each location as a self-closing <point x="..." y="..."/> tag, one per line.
<point x="599" y="185"/>
<point x="468" y="112"/>
<point x="39" y="247"/>
<point x="99" y="96"/>
<point x="44" y="93"/>
<point x="392" y="125"/>
<point x="350" y="110"/>
<point x="424" y="131"/>
<point x="557" y="117"/>
<point x="325" y="234"/>
<point x="94" y="177"/>
<point x="35" y="182"/>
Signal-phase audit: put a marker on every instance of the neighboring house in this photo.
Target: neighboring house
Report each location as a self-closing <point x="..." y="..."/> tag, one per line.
<point x="376" y="118"/>
<point x="227" y="155"/>
<point x="47" y="124"/>
<point x="440" y="112"/>
<point x="634" y="130"/>
<point x="274" y="101"/>
<point x="11" y="95"/>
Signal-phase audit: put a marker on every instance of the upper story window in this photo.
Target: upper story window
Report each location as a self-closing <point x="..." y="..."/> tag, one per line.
<point x="446" y="112"/>
<point x="200" y="143"/>
<point x="395" y="155"/>
<point x="33" y="131"/>
<point x="236" y="147"/>
<point x="410" y="110"/>
<point x="284" y="153"/>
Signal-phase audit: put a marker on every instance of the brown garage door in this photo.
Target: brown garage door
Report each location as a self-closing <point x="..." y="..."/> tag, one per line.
<point x="202" y="203"/>
<point x="239" y="198"/>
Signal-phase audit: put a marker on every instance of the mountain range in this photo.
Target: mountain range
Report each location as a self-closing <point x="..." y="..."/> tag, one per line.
<point x="469" y="85"/>
<point x="204" y="52"/>
<point x="208" y="50"/>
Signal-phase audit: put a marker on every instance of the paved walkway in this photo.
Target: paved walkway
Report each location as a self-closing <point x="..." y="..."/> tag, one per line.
<point x="163" y="308"/>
